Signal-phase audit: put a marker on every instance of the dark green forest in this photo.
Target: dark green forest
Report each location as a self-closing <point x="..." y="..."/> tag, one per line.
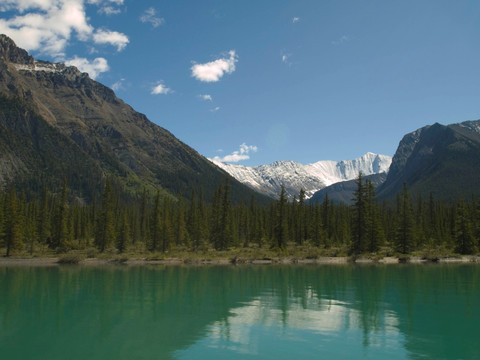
<point x="57" y="223"/>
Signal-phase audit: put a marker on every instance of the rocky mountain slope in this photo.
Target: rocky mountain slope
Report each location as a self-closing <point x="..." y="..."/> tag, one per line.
<point x="343" y="191"/>
<point x="56" y="122"/>
<point x="295" y="176"/>
<point x="443" y="160"/>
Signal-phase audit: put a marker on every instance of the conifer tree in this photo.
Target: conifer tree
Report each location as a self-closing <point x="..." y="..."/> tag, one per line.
<point x="60" y="221"/>
<point x="105" y="232"/>
<point x="13" y="224"/>
<point x="360" y="220"/>
<point x="301" y="219"/>
<point x="465" y="241"/>
<point x="194" y="222"/>
<point x="226" y="219"/>
<point x="281" y="229"/>
<point x="156" y="225"/>
<point x="123" y="235"/>
<point x="166" y="226"/>
<point x="375" y="234"/>
<point x="405" y="223"/>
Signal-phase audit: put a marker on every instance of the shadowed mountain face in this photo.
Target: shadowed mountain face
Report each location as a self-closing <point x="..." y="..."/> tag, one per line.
<point x="85" y="118"/>
<point x="441" y="160"/>
<point x="343" y="191"/>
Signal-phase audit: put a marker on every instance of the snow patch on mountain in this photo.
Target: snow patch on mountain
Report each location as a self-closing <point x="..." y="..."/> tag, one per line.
<point x="294" y="176"/>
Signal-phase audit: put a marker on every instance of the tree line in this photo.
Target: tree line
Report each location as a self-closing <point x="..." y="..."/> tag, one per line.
<point x="159" y="223"/>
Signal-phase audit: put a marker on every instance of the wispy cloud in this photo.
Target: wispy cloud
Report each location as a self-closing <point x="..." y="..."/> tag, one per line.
<point x="213" y="71"/>
<point x="286" y="58"/>
<point x="295" y="20"/>
<point x="206" y="97"/>
<point x="239" y="155"/>
<point x="342" y="39"/>
<point x="161" y="89"/>
<point x="111" y="37"/>
<point x="150" y="16"/>
<point x="48" y="26"/>
<point x="215" y="109"/>
<point x="118" y="85"/>
<point x="94" y="68"/>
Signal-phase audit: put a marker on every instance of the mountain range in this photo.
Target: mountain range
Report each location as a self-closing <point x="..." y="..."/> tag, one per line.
<point x="294" y="176"/>
<point x="58" y="124"/>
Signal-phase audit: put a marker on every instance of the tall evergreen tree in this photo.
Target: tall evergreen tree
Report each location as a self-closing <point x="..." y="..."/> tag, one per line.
<point x="13" y="223"/>
<point x="60" y="221"/>
<point x="465" y="241"/>
<point x="105" y="231"/>
<point x="375" y="234"/>
<point x="123" y="234"/>
<point x="360" y="220"/>
<point x="281" y="229"/>
<point x="404" y="237"/>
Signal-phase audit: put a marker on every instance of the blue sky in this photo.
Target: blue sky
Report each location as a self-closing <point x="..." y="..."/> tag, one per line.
<point x="260" y="81"/>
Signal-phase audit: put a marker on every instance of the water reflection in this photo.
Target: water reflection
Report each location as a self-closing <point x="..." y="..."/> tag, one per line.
<point x="427" y="312"/>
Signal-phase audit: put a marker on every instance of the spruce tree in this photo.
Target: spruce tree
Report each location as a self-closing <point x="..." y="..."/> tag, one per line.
<point x="13" y="223"/>
<point x="281" y="228"/>
<point x="405" y="223"/>
<point x="464" y="239"/>
<point x="105" y="232"/>
<point x="60" y="221"/>
<point x="123" y="234"/>
<point x="360" y="220"/>
<point x="375" y="234"/>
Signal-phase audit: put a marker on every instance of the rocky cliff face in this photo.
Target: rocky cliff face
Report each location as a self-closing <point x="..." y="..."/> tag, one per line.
<point x="117" y="139"/>
<point x="438" y="159"/>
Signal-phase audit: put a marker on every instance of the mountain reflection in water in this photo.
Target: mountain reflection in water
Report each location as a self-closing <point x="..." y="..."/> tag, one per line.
<point x="344" y="311"/>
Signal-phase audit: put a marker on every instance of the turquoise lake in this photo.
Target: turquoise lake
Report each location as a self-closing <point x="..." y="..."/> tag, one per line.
<point x="241" y="312"/>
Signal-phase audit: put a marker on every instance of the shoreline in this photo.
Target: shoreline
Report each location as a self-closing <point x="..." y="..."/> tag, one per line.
<point x="57" y="261"/>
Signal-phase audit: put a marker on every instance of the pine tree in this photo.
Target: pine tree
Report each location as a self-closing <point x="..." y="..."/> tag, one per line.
<point x="60" y="221"/>
<point x="13" y="223"/>
<point x="404" y="231"/>
<point x="301" y="218"/>
<point x="156" y="225"/>
<point x="105" y="232"/>
<point x="375" y="234"/>
<point x="465" y="241"/>
<point x="360" y="220"/>
<point x="281" y="229"/>
<point x="123" y="235"/>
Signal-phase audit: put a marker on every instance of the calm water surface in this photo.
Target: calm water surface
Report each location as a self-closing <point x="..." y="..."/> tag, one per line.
<point x="264" y="312"/>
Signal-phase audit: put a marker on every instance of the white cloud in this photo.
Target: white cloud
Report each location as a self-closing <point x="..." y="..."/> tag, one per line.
<point x="215" y="109"/>
<point x="149" y="16"/>
<point x="206" y="97"/>
<point x="213" y="71"/>
<point x="239" y="155"/>
<point x="93" y="68"/>
<point x="118" y="85"/>
<point x="111" y="37"/>
<point x="47" y="26"/>
<point x="161" y="89"/>
<point x="295" y="19"/>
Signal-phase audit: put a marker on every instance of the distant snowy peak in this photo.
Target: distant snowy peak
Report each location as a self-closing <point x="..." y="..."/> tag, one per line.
<point x="294" y="176"/>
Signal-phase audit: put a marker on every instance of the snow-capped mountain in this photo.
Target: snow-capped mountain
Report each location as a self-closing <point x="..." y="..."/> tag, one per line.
<point x="294" y="176"/>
